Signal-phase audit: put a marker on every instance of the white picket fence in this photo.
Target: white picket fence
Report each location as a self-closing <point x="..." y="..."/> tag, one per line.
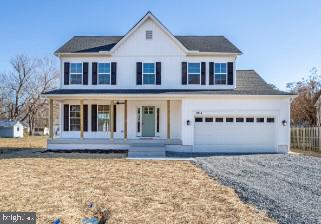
<point x="306" y="138"/>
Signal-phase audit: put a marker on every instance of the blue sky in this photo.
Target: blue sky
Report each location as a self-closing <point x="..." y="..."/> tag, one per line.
<point x="281" y="39"/>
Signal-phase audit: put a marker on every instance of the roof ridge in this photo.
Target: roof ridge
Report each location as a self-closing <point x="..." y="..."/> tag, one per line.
<point x="98" y="35"/>
<point x="199" y="36"/>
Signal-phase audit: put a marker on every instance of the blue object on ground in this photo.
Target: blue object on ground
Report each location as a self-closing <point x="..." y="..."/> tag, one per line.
<point x="56" y="221"/>
<point x="92" y="220"/>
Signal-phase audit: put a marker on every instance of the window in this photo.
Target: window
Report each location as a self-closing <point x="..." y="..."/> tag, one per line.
<point x="249" y="119"/>
<point x="220" y="73"/>
<point x="104" y="73"/>
<point x="138" y="120"/>
<point x="103" y="118"/>
<point x="229" y="119"/>
<point x="208" y="119"/>
<point x="148" y="110"/>
<point x="198" y="119"/>
<point x="75" y="73"/>
<point x="239" y="119"/>
<point x="157" y="120"/>
<point x="149" y="73"/>
<point x="149" y="34"/>
<point x="18" y="129"/>
<point x="194" y="73"/>
<point x="270" y="120"/>
<point x="219" y="119"/>
<point x="260" y="119"/>
<point x="74" y="118"/>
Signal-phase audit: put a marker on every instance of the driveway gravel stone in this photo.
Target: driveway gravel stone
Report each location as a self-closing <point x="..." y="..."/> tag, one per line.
<point x="286" y="187"/>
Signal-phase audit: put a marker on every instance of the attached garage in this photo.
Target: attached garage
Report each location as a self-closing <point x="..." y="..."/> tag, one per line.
<point x="235" y="134"/>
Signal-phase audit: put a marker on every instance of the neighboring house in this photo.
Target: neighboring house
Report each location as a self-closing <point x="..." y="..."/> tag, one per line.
<point x="151" y="87"/>
<point x="11" y="129"/>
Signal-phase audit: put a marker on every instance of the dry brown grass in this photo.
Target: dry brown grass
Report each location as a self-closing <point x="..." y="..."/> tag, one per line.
<point x="133" y="191"/>
<point x="23" y="143"/>
<point x="308" y="153"/>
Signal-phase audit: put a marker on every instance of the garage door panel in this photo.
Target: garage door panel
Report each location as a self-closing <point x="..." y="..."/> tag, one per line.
<point x="214" y="136"/>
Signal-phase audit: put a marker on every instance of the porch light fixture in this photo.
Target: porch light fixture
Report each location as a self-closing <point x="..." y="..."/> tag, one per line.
<point x="284" y="123"/>
<point x="188" y="122"/>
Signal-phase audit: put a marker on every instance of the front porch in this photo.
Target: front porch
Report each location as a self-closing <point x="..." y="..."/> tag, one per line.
<point x="109" y="144"/>
<point x="115" y="124"/>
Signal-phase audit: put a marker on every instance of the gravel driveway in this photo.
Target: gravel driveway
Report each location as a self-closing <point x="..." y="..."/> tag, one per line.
<point x="287" y="187"/>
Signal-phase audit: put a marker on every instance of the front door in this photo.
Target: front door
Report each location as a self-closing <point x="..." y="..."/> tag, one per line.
<point x="148" y="122"/>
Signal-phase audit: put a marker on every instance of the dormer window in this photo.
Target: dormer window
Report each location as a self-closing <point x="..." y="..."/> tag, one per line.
<point x="149" y="34"/>
<point x="104" y="73"/>
<point x="194" y="73"/>
<point x="220" y="73"/>
<point x="75" y="73"/>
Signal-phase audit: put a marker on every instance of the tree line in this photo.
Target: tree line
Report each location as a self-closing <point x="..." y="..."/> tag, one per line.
<point x="305" y="108"/>
<point x="21" y="90"/>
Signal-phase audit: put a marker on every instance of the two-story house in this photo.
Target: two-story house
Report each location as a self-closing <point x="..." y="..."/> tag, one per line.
<point x="154" y="88"/>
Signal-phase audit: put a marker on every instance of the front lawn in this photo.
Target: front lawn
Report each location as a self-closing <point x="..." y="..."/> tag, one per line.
<point x="133" y="191"/>
<point x="29" y="142"/>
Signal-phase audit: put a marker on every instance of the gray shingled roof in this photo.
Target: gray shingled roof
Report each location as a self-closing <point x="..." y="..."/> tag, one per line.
<point x="248" y="82"/>
<point x="92" y="44"/>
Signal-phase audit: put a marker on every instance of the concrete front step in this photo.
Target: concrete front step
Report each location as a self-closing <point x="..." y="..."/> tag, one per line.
<point x="146" y="151"/>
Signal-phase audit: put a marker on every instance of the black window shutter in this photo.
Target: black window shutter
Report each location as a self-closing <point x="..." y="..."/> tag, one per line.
<point x="66" y="117"/>
<point x="211" y="73"/>
<point x="94" y="117"/>
<point x="184" y="73"/>
<point x="94" y="73"/>
<point x="113" y="73"/>
<point x="85" y="73"/>
<point x="66" y="73"/>
<point x="230" y="70"/>
<point x="115" y="112"/>
<point x="85" y="117"/>
<point x="158" y="73"/>
<point x="203" y="73"/>
<point x="139" y="74"/>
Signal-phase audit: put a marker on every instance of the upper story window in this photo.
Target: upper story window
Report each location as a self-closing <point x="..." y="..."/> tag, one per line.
<point x="149" y="73"/>
<point x="220" y="73"/>
<point x="75" y="73"/>
<point x="149" y="34"/>
<point x="104" y="73"/>
<point x="194" y="73"/>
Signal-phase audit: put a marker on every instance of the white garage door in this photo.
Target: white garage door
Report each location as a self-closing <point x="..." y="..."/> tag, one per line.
<point x="234" y="134"/>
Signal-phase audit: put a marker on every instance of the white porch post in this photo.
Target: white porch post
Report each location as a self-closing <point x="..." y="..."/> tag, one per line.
<point x="51" y="118"/>
<point x="81" y="118"/>
<point x="125" y="120"/>
<point x="111" y="131"/>
<point x="168" y="119"/>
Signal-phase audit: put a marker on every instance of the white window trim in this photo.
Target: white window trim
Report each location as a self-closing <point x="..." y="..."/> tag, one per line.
<point x="194" y="73"/>
<point x="139" y="134"/>
<point x="70" y="105"/>
<point x="82" y="73"/>
<point x="220" y="73"/>
<point x="157" y="134"/>
<point x="109" y="118"/>
<point x="149" y="73"/>
<point x="98" y="74"/>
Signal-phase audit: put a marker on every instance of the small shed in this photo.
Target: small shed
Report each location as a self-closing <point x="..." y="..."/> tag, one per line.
<point x="11" y="129"/>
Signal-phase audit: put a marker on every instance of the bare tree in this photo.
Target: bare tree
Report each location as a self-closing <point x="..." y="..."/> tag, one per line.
<point x="303" y="110"/>
<point x="22" y="87"/>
